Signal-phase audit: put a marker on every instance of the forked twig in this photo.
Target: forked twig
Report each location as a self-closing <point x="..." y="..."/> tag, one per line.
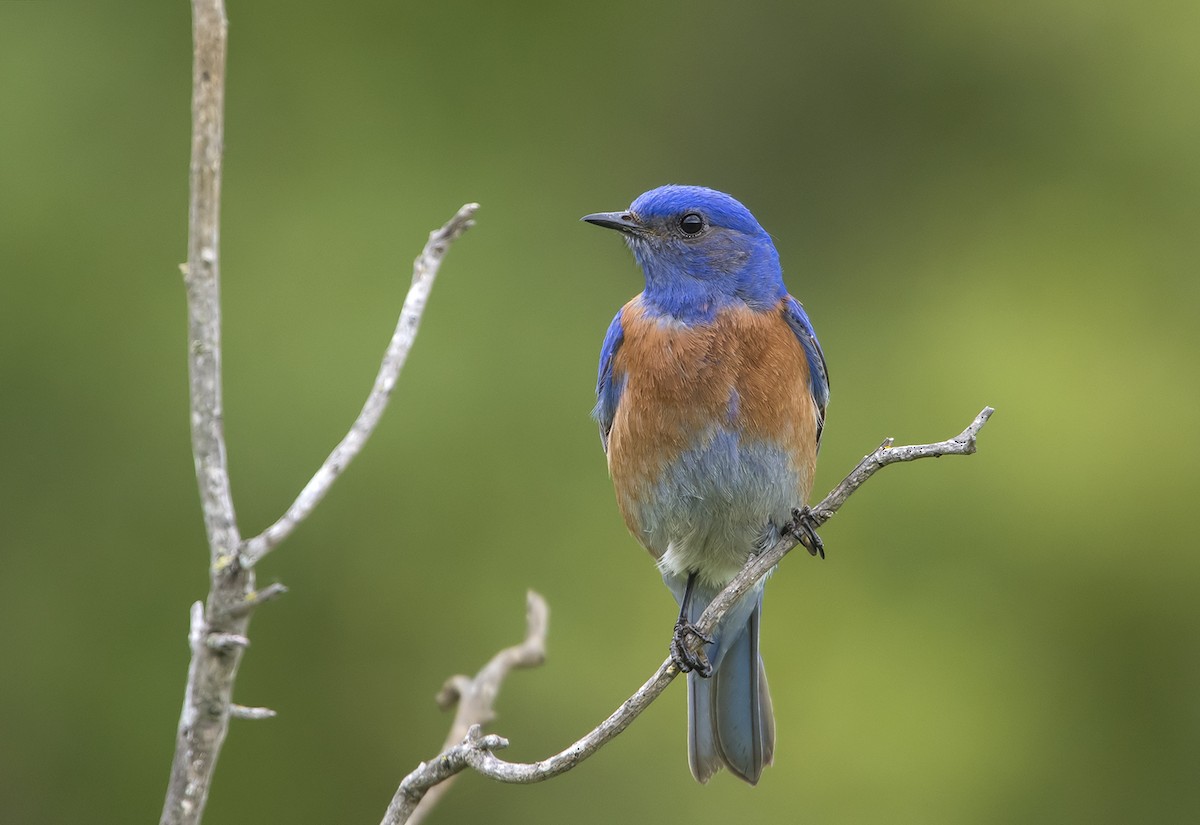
<point x="475" y="699"/>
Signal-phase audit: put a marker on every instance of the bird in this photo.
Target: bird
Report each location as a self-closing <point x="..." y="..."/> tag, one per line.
<point x="711" y="398"/>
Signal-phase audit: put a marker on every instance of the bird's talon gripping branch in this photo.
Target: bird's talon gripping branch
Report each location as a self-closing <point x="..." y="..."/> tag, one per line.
<point x="685" y="658"/>
<point x="804" y="528"/>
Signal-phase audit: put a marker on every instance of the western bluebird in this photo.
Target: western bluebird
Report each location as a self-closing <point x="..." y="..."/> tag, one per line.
<point x="711" y="398"/>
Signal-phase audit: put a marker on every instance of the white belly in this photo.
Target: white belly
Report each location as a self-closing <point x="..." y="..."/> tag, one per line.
<point x="715" y="505"/>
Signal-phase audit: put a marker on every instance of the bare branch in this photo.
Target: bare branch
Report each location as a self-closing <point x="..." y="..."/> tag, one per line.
<point x="477" y="752"/>
<point x="758" y="566"/>
<point x="885" y="454"/>
<point x="218" y="629"/>
<point x="204" y="720"/>
<point x="202" y="273"/>
<point x="425" y="269"/>
<point x="475" y="699"/>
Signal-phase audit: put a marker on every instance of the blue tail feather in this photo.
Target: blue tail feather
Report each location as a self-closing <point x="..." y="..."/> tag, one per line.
<point x="730" y="719"/>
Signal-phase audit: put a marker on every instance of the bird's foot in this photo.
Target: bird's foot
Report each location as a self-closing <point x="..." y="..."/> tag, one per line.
<point x="683" y="655"/>
<point x="804" y="528"/>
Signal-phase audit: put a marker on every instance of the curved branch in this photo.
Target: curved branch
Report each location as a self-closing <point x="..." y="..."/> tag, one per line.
<point x="475" y="699"/>
<point x="425" y="269"/>
<point x="476" y="751"/>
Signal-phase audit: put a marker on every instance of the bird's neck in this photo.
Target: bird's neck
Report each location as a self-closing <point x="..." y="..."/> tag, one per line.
<point x="686" y="299"/>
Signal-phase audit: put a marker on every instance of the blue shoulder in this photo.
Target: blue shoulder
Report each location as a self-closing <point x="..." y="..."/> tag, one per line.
<point x="608" y="392"/>
<point x="818" y="374"/>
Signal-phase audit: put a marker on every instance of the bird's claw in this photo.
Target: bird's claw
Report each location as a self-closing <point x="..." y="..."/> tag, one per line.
<point x="682" y="653"/>
<point x="804" y="528"/>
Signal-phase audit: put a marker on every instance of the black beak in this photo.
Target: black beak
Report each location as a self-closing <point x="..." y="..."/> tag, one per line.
<point x="620" y="221"/>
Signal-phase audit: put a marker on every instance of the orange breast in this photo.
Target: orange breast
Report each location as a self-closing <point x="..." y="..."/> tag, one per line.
<point x="746" y="373"/>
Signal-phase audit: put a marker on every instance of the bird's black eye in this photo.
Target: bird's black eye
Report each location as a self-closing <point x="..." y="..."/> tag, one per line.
<point x="691" y="223"/>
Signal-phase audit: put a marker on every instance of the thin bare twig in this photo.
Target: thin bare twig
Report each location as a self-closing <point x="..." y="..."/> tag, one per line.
<point x="425" y="269"/>
<point x="475" y="699"/>
<point x="253" y="599"/>
<point x="477" y="752"/>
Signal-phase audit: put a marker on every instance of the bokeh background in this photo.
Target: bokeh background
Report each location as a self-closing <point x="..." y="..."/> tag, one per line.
<point x="988" y="203"/>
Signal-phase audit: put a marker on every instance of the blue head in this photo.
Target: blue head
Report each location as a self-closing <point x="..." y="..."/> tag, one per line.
<point x="701" y="251"/>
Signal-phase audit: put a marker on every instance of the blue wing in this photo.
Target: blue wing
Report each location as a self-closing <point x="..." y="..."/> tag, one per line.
<point x="818" y="374"/>
<point x="608" y="391"/>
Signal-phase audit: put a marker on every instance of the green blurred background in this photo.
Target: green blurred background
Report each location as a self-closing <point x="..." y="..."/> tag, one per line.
<point x="978" y="204"/>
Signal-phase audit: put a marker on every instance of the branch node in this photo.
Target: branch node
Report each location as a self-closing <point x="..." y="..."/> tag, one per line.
<point x="477" y="740"/>
<point x="225" y="642"/>
<point x="197" y="627"/>
<point x="255" y="598"/>
<point x="242" y="712"/>
<point x="492" y="742"/>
